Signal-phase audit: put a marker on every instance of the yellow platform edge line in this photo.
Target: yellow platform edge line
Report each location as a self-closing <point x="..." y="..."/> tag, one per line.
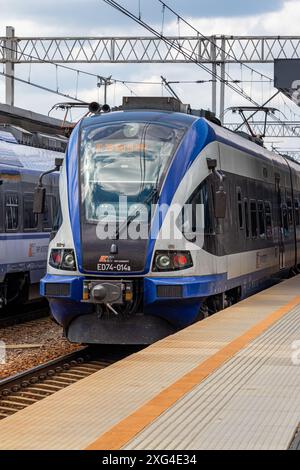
<point x="128" y="428"/>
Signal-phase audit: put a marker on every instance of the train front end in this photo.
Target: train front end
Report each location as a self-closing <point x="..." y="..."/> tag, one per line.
<point x="115" y="272"/>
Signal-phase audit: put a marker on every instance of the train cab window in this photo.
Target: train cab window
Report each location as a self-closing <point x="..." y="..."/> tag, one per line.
<point x="30" y="220"/>
<point x="11" y="211"/>
<point x="253" y="218"/>
<point x="297" y="216"/>
<point x="246" y="209"/>
<point x="268" y="218"/>
<point x="192" y="219"/>
<point x="261" y="219"/>
<point x="240" y="208"/>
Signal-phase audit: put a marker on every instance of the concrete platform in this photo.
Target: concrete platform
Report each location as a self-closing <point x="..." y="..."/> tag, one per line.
<point x="228" y="382"/>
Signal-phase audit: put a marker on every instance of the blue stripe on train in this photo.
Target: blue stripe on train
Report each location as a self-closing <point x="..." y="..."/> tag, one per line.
<point x="179" y="311"/>
<point x="24" y="236"/>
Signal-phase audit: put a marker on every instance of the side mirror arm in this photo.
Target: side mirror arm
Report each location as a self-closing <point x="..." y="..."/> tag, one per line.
<point x="220" y="194"/>
<point x="58" y="164"/>
<point x="220" y="176"/>
<point x="40" y="190"/>
<point x="212" y="164"/>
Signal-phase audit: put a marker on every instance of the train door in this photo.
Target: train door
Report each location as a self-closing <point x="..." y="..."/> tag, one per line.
<point x="280" y="215"/>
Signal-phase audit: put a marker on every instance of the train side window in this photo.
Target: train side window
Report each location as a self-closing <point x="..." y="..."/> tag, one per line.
<point x="261" y="219"/>
<point x="297" y="217"/>
<point x="11" y="211"/>
<point x="246" y="208"/>
<point x="30" y="220"/>
<point x="253" y="218"/>
<point x="268" y="216"/>
<point x="285" y="220"/>
<point x="289" y="211"/>
<point x="191" y="220"/>
<point x="240" y="207"/>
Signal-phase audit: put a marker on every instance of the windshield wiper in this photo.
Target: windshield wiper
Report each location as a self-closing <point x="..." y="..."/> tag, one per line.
<point x="152" y="196"/>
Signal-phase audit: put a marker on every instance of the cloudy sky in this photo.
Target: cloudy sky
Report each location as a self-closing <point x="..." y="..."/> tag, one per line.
<point x="95" y="18"/>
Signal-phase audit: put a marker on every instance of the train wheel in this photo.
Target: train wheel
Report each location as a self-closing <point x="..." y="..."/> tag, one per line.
<point x="17" y="289"/>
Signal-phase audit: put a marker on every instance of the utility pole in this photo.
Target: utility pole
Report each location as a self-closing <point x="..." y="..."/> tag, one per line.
<point x="222" y="83"/>
<point x="9" y="66"/>
<point x="214" y="73"/>
<point x="106" y="81"/>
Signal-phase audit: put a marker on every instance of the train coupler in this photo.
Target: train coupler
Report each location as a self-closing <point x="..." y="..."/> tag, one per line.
<point x="107" y="292"/>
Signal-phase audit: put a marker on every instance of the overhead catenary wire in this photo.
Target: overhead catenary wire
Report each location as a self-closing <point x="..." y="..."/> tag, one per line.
<point x="51" y="62"/>
<point x="182" y="50"/>
<point x="180" y="18"/>
<point x="99" y="77"/>
<point x="115" y="80"/>
<point x="62" y="66"/>
<point x="123" y="82"/>
<point x="58" y="65"/>
<point x="227" y="54"/>
<point x="187" y="55"/>
<point x="41" y="87"/>
<point x="84" y="72"/>
<point x="207" y="38"/>
<point x="91" y="74"/>
<point x="131" y="91"/>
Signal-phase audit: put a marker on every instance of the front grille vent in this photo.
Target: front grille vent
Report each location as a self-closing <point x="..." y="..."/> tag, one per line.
<point x="172" y="291"/>
<point x="57" y="289"/>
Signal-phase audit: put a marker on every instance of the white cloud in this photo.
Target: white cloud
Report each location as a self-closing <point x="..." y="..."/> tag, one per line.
<point x="281" y="22"/>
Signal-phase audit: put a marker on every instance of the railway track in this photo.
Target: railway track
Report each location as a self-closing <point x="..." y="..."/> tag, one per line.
<point x="26" y="388"/>
<point x="30" y="312"/>
<point x="295" y="443"/>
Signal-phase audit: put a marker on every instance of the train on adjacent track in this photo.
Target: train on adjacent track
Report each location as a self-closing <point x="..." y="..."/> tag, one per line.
<point x="138" y="289"/>
<point x="24" y="236"/>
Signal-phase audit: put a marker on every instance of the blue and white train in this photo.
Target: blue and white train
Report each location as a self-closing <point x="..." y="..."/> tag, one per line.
<point x="24" y="236"/>
<point x="122" y="290"/>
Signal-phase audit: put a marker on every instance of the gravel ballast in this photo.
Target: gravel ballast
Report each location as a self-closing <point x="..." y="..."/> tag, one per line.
<point x="30" y="344"/>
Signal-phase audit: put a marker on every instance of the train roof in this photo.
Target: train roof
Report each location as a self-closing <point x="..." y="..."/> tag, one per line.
<point x="23" y="157"/>
<point x="174" y="118"/>
<point x="171" y="113"/>
<point x="239" y="142"/>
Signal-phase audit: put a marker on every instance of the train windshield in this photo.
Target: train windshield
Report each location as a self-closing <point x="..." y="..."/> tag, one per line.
<point x="124" y="159"/>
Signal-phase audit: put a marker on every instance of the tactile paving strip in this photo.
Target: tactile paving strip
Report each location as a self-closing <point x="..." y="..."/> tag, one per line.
<point x="251" y="402"/>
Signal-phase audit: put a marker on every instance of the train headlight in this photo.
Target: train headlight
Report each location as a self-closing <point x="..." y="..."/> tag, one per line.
<point x="62" y="259"/>
<point x="163" y="261"/>
<point x="172" y="260"/>
<point x="68" y="262"/>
